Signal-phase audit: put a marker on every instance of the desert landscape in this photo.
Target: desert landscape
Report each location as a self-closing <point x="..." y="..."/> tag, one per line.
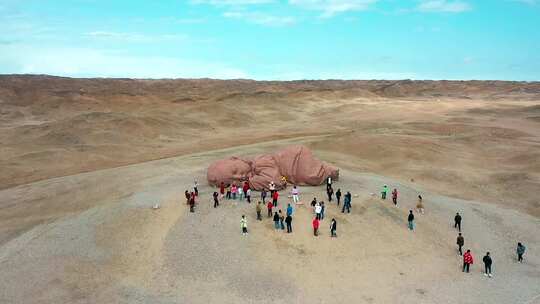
<point x="82" y="162"/>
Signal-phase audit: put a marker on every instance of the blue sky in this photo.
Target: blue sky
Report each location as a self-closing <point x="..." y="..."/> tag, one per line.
<point x="273" y="39"/>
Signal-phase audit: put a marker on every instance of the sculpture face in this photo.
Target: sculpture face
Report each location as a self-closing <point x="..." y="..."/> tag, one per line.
<point x="229" y="170"/>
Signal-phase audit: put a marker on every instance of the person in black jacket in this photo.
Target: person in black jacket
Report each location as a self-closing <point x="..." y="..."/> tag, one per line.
<point x="333" y="228"/>
<point x="410" y="219"/>
<point x="338" y="196"/>
<point x="330" y="192"/>
<point x="216" y="200"/>
<point x="460" y="242"/>
<point x="457" y="221"/>
<point x="487" y="264"/>
<point x="288" y="221"/>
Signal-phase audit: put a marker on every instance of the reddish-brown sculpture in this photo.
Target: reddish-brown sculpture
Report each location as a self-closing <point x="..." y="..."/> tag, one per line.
<point x="295" y="164"/>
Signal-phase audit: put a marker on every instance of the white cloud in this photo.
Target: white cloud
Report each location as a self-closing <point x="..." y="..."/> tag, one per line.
<point x="444" y="6"/>
<point x="231" y="2"/>
<point x="89" y="62"/>
<point x="261" y="18"/>
<point x="134" y="37"/>
<point x="330" y="8"/>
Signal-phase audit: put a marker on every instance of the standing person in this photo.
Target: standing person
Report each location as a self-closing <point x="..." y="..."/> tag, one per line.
<point x="281" y="220"/>
<point x="263" y="195"/>
<point x="322" y="210"/>
<point x="487" y="264"/>
<point x="272" y="188"/>
<point x="192" y="202"/>
<point x="234" y="191"/>
<point x="347" y="203"/>
<point x="245" y="188"/>
<point x="258" y="208"/>
<point x="315" y="224"/>
<point x="229" y="192"/>
<point x="467" y="260"/>
<point x="384" y="192"/>
<point x="329" y="191"/>
<point x="338" y="196"/>
<point x="289" y="209"/>
<point x="333" y="228"/>
<point x="457" y="221"/>
<point x="314" y="202"/>
<point x="240" y="193"/>
<point x="248" y="195"/>
<point x="410" y="219"/>
<point x="196" y="187"/>
<point x="269" y="207"/>
<point x="288" y="221"/>
<point x="222" y="189"/>
<point x="520" y="252"/>
<point x="216" y="199"/>
<point x="188" y="197"/>
<point x="394" y="196"/>
<point x="275" y="197"/>
<point x="420" y="205"/>
<point x="243" y="224"/>
<point x="460" y="242"/>
<point x="295" y="193"/>
<point x="276" y="220"/>
<point x="318" y="209"/>
<point x="328" y="182"/>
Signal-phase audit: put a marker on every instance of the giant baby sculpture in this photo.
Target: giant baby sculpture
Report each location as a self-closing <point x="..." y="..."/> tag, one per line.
<point x="295" y="164"/>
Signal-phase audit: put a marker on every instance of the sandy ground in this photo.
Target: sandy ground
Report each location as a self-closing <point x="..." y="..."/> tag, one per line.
<point x="76" y="223"/>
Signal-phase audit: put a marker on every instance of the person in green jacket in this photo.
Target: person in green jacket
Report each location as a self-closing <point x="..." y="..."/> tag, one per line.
<point x="384" y="192"/>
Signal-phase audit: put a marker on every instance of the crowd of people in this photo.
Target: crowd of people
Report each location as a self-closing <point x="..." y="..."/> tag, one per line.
<point x="283" y="220"/>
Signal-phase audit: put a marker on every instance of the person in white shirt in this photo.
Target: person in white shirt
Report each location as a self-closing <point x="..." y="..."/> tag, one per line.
<point x="318" y="210"/>
<point x="295" y="194"/>
<point x="248" y="195"/>
<point x="241" y="193"/>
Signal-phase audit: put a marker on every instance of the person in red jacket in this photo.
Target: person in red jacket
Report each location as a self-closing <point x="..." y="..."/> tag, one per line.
<point x="275" y="197"/>
<point x="467" y="260"/>
<point x="245" y="187"/>
<point x="394" y="196"/>
<point x="315" y="224"/>
<point x="269" y="206"/>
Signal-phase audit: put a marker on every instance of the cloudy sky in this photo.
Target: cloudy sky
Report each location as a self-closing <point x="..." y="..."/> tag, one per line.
<point x="272" y="39"/>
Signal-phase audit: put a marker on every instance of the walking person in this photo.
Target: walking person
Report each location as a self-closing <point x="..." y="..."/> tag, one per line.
<point x="384" y="192"/>
<point x="329" y="192"/>
<point x="243" y="224"/>
<point x="281" y="220"/>
<point x="276" y="221"/>
<point x="272" y="188"/>
<point x="289" y="209"/>
<point x="258" y="208"/>
<point x="313" y="203"/>
<point x="322" y="210"/>
<point x="457" y="221"/>
<point x="410" y="220"/>
<point x="394" y="196"/>
<point x="275" y="197"/>
<point x="240" y="193"/>
<point x="333" y="228"/>
<point x="295" y="192"/>
<point x="248" y="196"/>
<point x="347" y="203"/>
<point x="245" y="188"/>
<point x="263" y="195"/>
<point x="216" y="199"/>
<point x="420" y="205"/>
<point x="520" y="252"/>
<point x="315" y="224"/>
<point x="487" y="264"/>
<point x="467" y="260"/>
<point x="338" y="196"/>
<point x="192" y="202"/>
<point x="460" y="242"/>
<point x="269" y="207"/>
<point x="318" y="210"/>
<point x="188" y="196"/>
<point x="288" y="221"/>
<point x="328" y="182"/>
